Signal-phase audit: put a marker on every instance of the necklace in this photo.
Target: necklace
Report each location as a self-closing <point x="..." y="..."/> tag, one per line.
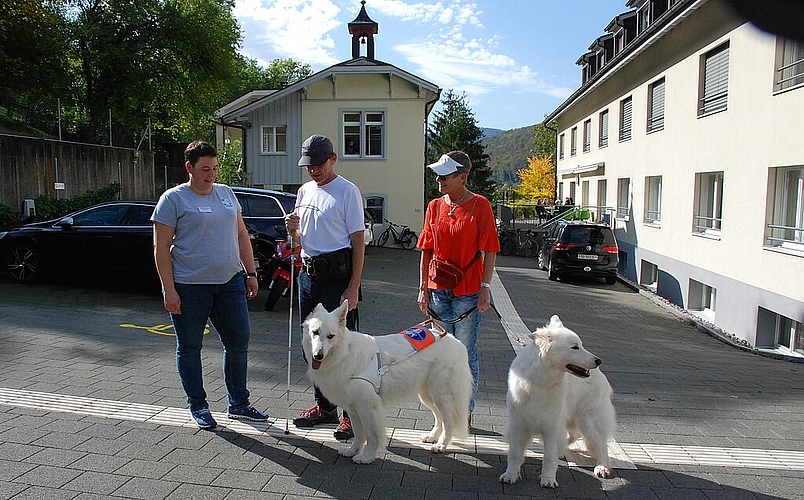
<point x="453" y="206"/>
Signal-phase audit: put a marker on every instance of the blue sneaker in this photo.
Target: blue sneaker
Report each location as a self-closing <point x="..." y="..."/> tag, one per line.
<point x="204" y="418"/>
<point x="247" y="413"/>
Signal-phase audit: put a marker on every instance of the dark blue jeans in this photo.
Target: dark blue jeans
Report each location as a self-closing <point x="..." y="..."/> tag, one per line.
<point x="225" y="305"/>
<point x="314" y="291"/>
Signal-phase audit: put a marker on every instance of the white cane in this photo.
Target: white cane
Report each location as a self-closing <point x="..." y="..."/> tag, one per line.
<point x="290" y="323"/>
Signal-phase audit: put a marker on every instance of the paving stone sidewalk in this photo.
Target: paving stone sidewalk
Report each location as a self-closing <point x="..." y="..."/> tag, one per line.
<point x="82" y="366"/>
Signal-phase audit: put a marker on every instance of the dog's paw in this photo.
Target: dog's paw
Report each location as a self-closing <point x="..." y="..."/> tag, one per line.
<point x="509" y="477"/>
<point x="429" y="438"/>
<point x="602" y="471"/>
<point x="348" y="451"/>
<point x="363" y="458"/>
<point x="549" y="482"/>
<point x="438" y="448"/>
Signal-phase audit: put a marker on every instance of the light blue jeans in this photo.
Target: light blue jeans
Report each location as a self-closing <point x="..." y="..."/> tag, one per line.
<point x="226" y="307"/>
<point x="448" y="307"/>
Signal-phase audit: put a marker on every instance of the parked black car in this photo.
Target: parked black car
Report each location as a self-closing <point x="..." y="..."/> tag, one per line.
<point x="264" y="214"/>
<point x="113" y="237"/>
<point x="579" y="248"/>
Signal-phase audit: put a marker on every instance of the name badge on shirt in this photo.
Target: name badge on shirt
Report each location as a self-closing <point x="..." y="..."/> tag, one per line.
<point x="205" y="210"/>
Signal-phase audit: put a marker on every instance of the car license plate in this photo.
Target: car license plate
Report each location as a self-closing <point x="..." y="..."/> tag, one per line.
<point x="586" y="256"/>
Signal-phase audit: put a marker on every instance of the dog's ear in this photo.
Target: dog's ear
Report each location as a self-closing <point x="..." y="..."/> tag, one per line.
<point x="341" y="312"/>
<point x="555" y="322"/>
<point x="543" y="338"/>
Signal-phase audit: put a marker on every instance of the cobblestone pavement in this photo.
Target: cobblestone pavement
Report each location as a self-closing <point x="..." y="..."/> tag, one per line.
<point x="91" y="404"/>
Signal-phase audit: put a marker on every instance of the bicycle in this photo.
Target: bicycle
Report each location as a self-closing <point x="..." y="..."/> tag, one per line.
<point x="508" y="242"/>
<point x="527" y="246"/>
<point x="403" y="237"/>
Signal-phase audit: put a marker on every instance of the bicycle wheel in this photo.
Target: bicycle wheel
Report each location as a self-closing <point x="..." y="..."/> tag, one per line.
<point x="508" y="246"/>
<point x="408" y="240"/>
<point x="383" y="239"/>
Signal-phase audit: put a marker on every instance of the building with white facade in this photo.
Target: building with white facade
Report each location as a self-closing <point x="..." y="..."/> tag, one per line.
<point x="684" y="135"/>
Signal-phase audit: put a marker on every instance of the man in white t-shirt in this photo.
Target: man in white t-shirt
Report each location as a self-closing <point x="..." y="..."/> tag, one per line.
<point x="328" y="223"/>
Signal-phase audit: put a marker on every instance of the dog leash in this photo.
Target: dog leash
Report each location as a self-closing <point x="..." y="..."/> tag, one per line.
<point x="459" y="318"/>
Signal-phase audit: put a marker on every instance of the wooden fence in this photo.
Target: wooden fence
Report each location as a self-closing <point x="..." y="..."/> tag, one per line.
<point x="31" y="167"/>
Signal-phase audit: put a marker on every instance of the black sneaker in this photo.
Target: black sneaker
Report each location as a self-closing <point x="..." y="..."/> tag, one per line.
<point x="315" y="416"/>
<point x="204" y="418"/>
<point x="344" y="431"/>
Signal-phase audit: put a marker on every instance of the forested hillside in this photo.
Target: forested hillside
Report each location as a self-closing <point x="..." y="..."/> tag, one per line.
<point x="508" y="152"/>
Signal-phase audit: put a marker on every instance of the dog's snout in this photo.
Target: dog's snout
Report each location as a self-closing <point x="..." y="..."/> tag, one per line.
<point x="597" y="361"/>
<point x="320" y="355"/>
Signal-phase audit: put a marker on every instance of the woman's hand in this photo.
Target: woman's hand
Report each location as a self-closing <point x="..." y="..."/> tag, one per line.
<point x="423" y="300"/>
<point x="484" y="299"/>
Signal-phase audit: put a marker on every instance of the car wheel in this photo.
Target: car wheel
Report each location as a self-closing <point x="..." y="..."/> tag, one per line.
<point x="409" y="241"/>
<point x="551" y="274"/>
<point x="24" y="263"/>
<point x="610" y="280"/>
<point x="275" y="292"/>
<point x="540" y="261"/>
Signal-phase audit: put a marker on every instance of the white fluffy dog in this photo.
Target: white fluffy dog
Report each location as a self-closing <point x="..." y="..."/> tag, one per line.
<point x="553" y="394"/>
<point x="344" y="365"/>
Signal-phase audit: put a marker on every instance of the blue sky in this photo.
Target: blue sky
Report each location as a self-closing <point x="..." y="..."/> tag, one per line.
<point x="514" y="59"/>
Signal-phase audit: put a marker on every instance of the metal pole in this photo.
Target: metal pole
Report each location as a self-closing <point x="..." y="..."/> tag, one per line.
<point x="110" y="126"/>
<point x="290" y="325"/>
<point x="59" y="111"/>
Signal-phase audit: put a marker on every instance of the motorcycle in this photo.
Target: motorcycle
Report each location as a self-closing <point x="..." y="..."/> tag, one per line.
<point x="281" y="261"/>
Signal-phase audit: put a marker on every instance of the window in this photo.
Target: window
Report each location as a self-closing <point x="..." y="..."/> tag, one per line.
<point x="587" y="135"/>
<point x="375" y="206"/>
<point x="656" y="106"/>
<point x="789" y="64"/>
<point x="714" y="83"/>
<point x="779" y="331"/>
<point x="274" y="139"/>
<point x="707" y="212"/>
<point x="573" y="141"/>
<point x="561" y="147"/>
<point x="702" y="300"/>
<point x="649" y="275"/>
<point x="585" y="194"/>
<point x="604" y="129"/>
<point x="786" y="200"/>
<point x="623" y="198"/>
<point x="363" y="134"/>
<point x="653" y="200"/>
<point x="626" y="107"/>
<point x="601" y="198"/>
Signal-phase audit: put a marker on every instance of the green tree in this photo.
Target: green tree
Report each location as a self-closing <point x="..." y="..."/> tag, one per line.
<point x="230" y="164"/>
<point x="454" y="127"/>
<point x="251" y="75"/>
<point x="544" y="141"/>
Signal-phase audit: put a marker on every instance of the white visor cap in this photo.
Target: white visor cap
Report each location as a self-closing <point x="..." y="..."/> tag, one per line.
<point x="446" y="165"/>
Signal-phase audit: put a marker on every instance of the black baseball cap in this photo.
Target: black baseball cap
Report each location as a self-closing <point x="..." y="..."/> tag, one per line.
<point x="315" y="151"/>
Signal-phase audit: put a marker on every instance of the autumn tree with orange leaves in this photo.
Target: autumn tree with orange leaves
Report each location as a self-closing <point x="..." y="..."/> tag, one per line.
<point x="538" y="181"/>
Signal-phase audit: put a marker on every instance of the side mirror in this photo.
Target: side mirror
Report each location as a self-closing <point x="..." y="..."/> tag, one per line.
<point x="66" y="223"/>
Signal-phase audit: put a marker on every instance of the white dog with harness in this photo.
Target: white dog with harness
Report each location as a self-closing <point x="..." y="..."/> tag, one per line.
<point x="365" y="374"/>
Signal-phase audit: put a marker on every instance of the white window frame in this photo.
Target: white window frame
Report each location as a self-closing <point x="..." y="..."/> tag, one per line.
<point x="561" y="147"/>
<point x="626" y="118"/>
<point x="789" y="66"/>
<point x="652" y="214"/>
<point x="713" y="84"/>
<point x="274" y="139"/>
<point x="702" y="300"/>
<point x="785" y="229"/>
<point x="649" y="275"/>
<point x="623" y="198"/>
<point x="707" y="209"/>
<point x="603" y="140"/>
<point x="587" y="135"/>
<point x="574" y="141"/>
<point x="656" y="106"/>
<point x="362" y="132"/>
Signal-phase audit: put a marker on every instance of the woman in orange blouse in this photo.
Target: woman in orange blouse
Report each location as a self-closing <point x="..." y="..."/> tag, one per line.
<point x="457" y="226"/>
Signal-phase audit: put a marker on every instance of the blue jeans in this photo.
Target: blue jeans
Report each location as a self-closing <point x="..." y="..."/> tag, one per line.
<point x="447" y="306"/>
<point x="328" y="293"/>
<point x="226" y="307"/>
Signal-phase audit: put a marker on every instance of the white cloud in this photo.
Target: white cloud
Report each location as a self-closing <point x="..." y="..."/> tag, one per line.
<point x="455" y="12"/>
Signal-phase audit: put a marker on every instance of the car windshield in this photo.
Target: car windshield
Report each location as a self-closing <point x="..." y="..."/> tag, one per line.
<point x="585" y="234"/>
<point x="110" y="215"/>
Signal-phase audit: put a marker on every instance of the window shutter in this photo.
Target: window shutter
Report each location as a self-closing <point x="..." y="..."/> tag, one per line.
<point x="604" y="128"/>
<point x="656" y="119"/>
<point x="715" y="81"/>
<point x="625" y="128"/>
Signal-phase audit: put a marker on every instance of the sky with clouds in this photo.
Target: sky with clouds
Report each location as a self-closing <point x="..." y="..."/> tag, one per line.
<point x="514" y="59"/>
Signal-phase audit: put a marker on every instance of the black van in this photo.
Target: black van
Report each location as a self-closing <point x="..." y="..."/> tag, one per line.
<point x="579" y="248"/>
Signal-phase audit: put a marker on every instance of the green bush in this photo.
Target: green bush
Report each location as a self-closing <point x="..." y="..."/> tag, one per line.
<point x="49" y="208"/>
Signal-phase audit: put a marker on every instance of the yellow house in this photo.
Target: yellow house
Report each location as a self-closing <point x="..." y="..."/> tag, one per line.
<point x="374" y="113"/>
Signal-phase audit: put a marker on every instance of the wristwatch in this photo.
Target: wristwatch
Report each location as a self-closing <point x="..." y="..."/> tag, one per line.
<point x="483" y="284"/>
<point x="251" y="275"/>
